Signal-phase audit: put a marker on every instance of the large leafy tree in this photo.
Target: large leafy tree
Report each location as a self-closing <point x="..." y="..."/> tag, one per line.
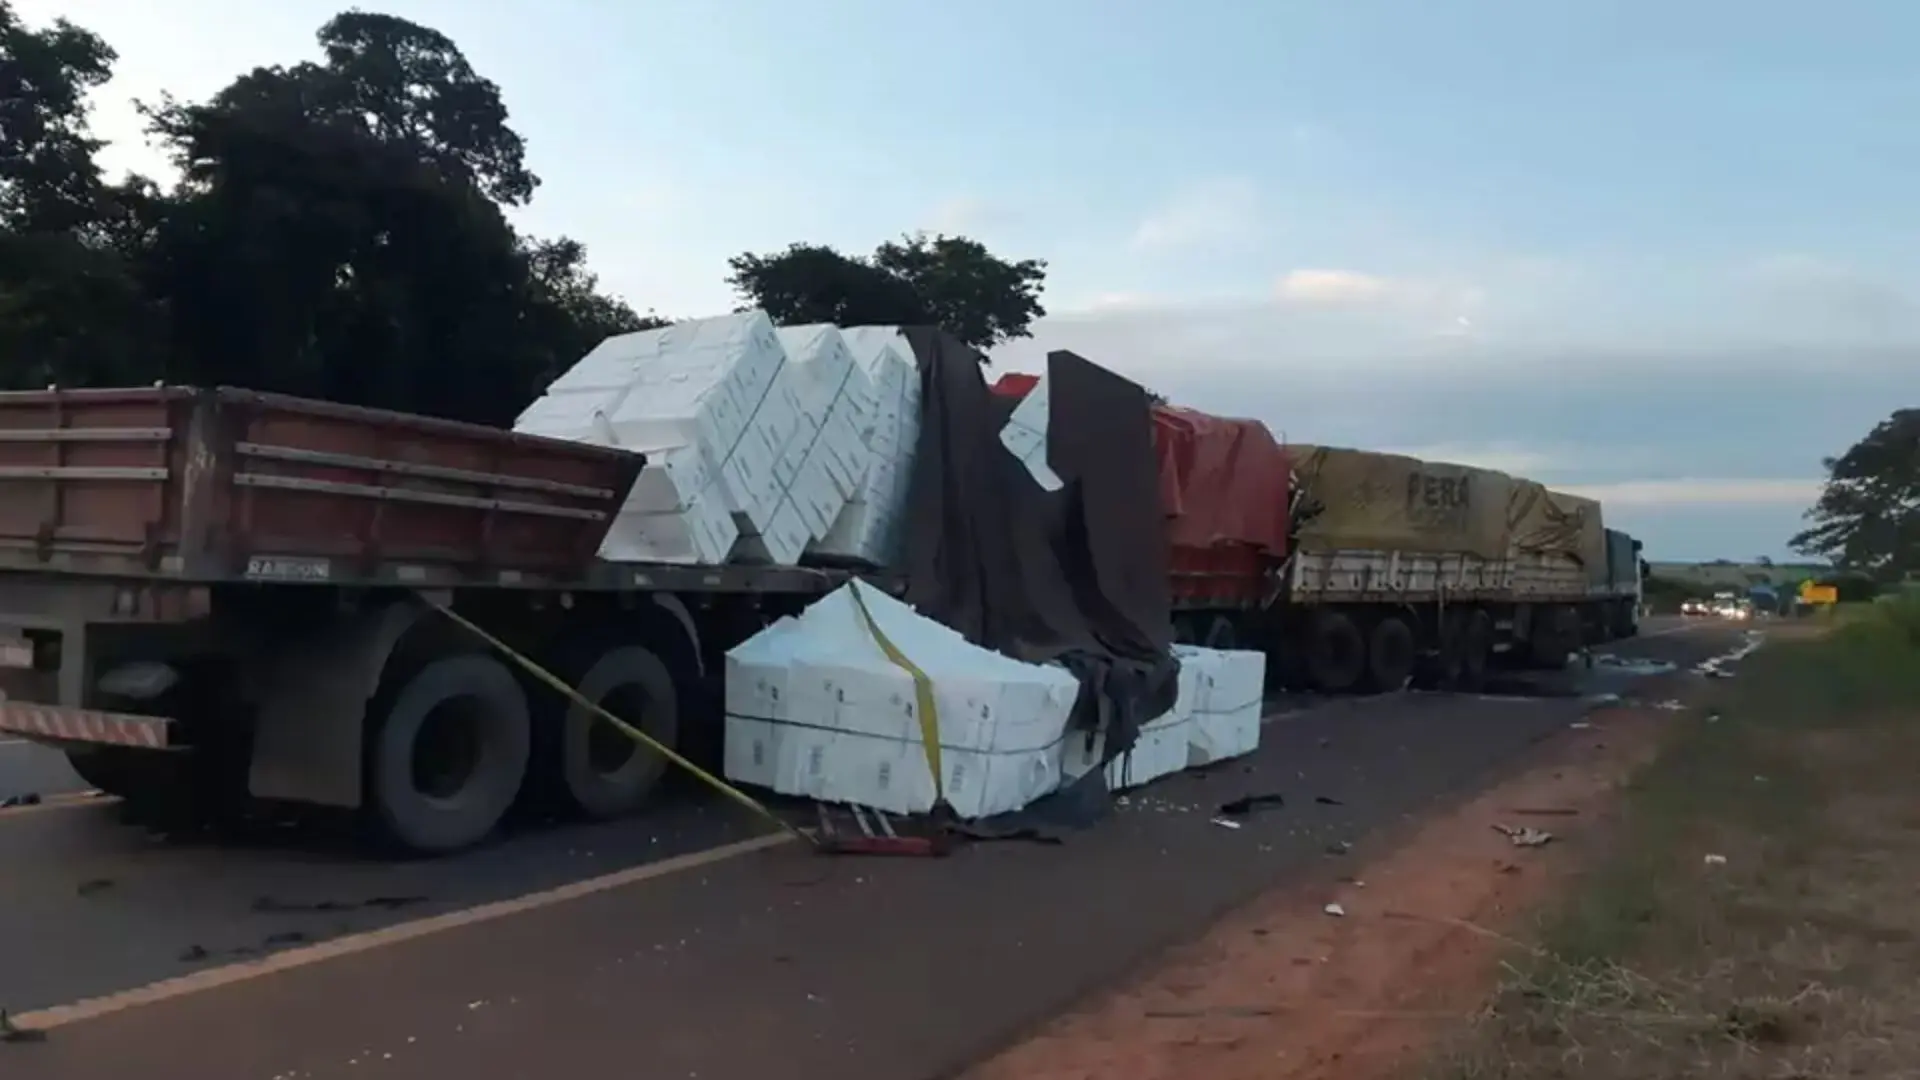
<point x="1868" y="516"/>
<point x="338" y="230"/>
<point x="71" y="308"/>
<point x="950" y="281"/>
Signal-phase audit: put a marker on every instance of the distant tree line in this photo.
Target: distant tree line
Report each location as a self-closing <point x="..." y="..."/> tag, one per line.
<point x="338" y="229"/>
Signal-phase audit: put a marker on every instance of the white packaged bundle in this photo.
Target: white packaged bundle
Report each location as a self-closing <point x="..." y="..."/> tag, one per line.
<point x="822" y="467"/>
<point x="816" y="709"/>
<point x="1229" y="703"/>
<point x="869" y="528"/>
<point x="1160" y="749"/>
<point x="704" y="401"/>
<point x="1025" y="436"/>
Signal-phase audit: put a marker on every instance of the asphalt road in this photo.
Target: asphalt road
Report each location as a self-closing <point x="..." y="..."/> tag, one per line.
<point x="772" y="963"/>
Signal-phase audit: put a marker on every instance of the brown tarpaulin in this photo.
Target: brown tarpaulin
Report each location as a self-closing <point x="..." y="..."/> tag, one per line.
<point x="1556" y="523"/>
<point x="1388" y="502"/>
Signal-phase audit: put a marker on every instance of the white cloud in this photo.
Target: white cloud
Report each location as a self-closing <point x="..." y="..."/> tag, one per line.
<point x="1211" y="212"/>
<point x="1331" y="287"/>
<point x="1703" y="492"/>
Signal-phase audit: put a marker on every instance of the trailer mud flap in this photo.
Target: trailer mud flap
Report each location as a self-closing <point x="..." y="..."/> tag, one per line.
<point x="312" y="697"/>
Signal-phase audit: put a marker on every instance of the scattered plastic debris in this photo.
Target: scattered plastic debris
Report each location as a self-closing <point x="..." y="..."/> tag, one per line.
<point x="1524" y="835"/>
<point x="1226" y="823"/>
<point x="1247" y="804"/>
<point x="1580" y="725"/>
<point x="1339" y="847"/>
<point x="1670" y="705"/>
<point x="1716" y="667"/>
<point x="1335" y="910"/>
<point x="1715" y="860"/>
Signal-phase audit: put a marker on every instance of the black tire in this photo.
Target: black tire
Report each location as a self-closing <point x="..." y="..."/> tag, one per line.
<point x="1221" y="634"/>
<point x="1336" y="653"/>
<point x="1391" y="655"/>
<point x="447" y="795"/>
<point x="107" y="768"/>
<point x="604" y="773"/>
<point x="1476" y="650"/>
<point x="1556" y="636"/>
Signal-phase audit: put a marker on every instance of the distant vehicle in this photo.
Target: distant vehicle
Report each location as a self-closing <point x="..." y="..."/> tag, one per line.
<point x="1695" y="607"/>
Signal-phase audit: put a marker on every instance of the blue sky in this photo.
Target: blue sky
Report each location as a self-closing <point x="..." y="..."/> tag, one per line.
<point x="1661" y="252"/>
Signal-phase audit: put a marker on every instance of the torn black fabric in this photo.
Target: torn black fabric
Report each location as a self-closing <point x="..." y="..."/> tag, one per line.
<point x="1077" y="575"/>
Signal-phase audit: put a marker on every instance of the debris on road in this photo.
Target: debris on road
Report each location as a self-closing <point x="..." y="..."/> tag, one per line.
<point x="13" y="802"/>
<point x="1247" y="804"/>
<point x="1715" y="860"/>
<point x="1339" y="847"/>
<point x="1335" y="910"/>
<point x="1524" y="835"/>
<point x="95" y="885"/>
<point x="1226" y="823"/>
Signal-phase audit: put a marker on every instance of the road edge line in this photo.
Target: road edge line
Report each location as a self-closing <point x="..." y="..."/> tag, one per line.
<point x="213" y="978"/>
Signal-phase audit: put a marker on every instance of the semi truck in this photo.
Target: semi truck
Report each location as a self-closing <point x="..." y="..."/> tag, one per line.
<point x="1359" y="571"/>
<point x="212" y="599"/>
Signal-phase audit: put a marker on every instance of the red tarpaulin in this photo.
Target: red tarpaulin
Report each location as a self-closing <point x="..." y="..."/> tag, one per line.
<point x="1222" y="481"/>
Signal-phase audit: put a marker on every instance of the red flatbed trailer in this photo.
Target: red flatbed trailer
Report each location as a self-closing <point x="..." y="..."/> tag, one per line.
<point x="207" y="595"/>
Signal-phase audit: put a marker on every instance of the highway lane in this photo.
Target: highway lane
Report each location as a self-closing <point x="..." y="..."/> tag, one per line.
<point x="88" y="909"/>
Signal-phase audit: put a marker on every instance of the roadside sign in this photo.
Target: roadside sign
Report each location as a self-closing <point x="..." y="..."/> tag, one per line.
<point x="1818" y="594"/>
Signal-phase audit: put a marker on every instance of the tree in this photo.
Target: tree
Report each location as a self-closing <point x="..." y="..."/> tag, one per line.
<point x="976" y="297"/>
<point x="574" y="313"/>
<point x="1868" y="517"/>
<point x="339" y="232"/>
<point x="48" y="179"/>
<point x="950" y="281"/>
<point x="71" y="309"/>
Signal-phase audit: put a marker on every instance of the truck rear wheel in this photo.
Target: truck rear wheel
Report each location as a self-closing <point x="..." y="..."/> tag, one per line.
<point x="448" y="755"/>
<point x="110" y="769"/>
<point x="1391" y="654"/>
<point x="1336" y="652"/>
<point x="603" y="772"/>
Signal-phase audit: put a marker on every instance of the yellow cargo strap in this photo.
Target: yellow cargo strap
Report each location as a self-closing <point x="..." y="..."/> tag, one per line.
<point x="929" y="713"/>
<point x="560" y="685"/>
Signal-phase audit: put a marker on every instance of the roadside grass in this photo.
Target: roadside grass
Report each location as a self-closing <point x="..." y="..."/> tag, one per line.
<point x="1755" y="911"/>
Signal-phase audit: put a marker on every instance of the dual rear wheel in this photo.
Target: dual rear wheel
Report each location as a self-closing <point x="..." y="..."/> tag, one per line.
<point x="453" y="742"/>
<point x="1344" y="653"/>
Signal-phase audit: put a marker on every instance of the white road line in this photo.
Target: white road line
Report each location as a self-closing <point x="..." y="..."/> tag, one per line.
<point x="243" y="971"/>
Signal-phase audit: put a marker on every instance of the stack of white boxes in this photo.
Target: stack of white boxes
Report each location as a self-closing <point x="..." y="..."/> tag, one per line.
<point x="816" y="709"/>
<point x="1161" y="748"/>
<point x="826" y="460"/>
<point x="711" y="403"/>
<point x="1228" y="702"/>
<point x="1025" y="436"/>
<point x="869" y="529"/>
